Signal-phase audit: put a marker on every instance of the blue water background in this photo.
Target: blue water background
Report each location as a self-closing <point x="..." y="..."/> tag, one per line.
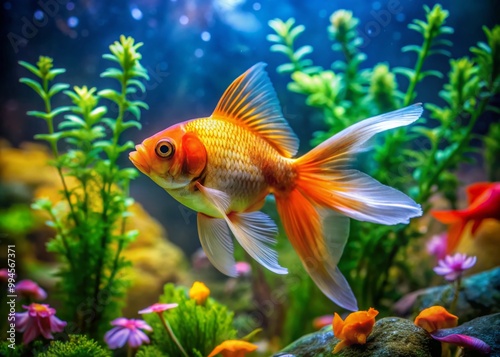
<point x="194" y="49"/>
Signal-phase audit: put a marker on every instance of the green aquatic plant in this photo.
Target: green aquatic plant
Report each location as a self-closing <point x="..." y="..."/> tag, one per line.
<point x="284" y="40"/>
<point x="422" y="159"/>
<point x="75" y="346"/>
<point x="89" y="219"/>
<point x="10" y="349"/>
<point x="198" y="327"/>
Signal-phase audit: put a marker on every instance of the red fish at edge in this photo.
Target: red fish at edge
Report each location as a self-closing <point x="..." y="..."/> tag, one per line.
<point x="484" y="202"/>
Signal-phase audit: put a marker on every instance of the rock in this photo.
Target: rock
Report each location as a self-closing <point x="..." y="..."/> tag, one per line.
<point x="391" y="337"/>
<point x="479" y="296"/>
<point x="486" y="328"/>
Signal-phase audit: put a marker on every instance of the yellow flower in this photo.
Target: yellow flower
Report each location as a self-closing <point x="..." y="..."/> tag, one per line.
<point x="233" y="348"/>
<point x="199" y="292"/>
<point x="435" y="318"/>
<point x="355" y="329"/>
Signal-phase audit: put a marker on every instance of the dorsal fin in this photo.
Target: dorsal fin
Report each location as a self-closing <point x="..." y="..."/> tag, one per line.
<point x="251" y="101"/>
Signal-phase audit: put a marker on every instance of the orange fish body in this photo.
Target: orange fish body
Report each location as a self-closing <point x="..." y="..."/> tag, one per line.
<point x="484" y="202"/>
<point x="225" y="165"/>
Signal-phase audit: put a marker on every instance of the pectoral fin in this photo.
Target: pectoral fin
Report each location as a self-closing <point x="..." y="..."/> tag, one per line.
<point x="255" y="231"/>
<point x="217" y="243"/>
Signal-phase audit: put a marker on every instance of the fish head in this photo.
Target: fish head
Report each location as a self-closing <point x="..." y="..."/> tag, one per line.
<point x="172" y="158"/>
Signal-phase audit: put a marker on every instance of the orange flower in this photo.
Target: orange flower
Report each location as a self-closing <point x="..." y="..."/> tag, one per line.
<point x="199" y="292"/>
<point x="233" y="348"/>
<point x="355" y="329"/>
<point x="435" y="318"/>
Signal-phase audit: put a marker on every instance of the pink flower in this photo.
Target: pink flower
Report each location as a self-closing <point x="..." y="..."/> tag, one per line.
<point x="4" y="275"/>
<point x="30" y="289"/>
<point x="158" y="308"/>
<point x="437" y="245"/>
<point x="322" y="321"/>
<point x="40" y="319"/>
<point x="127" y="331"/>
<point x="452" y="267"/>
<point x="243" y="269"/>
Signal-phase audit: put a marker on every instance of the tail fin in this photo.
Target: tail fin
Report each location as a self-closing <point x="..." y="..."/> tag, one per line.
<point x="326" y="187"/>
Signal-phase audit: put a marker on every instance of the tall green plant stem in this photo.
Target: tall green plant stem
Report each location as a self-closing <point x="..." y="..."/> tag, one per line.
<point x="55" y="152"/>
<point x="422" y="55"/>
<point x="171" y="333"/>
<point x="426" y="192"/>
<point x="106" y="194"/>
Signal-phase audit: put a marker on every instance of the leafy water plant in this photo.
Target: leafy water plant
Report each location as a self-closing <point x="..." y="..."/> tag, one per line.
<point x="75" y="346"/>
<point x="89" y="218"/>
<point x="198" y="328"/>
<point x="421" y="159"/>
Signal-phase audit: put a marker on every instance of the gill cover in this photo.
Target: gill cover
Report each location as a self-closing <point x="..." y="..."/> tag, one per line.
<point x="195" y="155"/>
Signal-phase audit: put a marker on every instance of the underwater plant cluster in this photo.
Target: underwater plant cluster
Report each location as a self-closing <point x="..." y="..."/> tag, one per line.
<point x="78" y="304"/>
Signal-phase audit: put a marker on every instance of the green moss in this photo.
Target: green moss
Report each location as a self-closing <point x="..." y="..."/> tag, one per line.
<point x="76" y="346"/>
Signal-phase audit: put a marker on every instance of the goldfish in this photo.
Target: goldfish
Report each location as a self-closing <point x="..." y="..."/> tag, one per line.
<point x="483" y="200"/>
<point x="223" y="167"/>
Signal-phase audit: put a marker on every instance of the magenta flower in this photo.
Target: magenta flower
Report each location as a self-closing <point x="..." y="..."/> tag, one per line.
<point x="30" y="289"/>
<point x="4" y="275"/>
<point x="157" y="307"/>
<point x="462" y="340"/>
<point x="243" y="269"/>
<point x="452" y="267"/>
<point x="127" y="330"/>
<point x="40" y="319"/>
<point x="437" y="245"/>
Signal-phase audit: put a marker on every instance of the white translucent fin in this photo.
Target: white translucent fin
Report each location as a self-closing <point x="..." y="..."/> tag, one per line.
<point x="338" y="150"/>
<point x="251" y="101"/>
<point x="217" y="243"/>
<point x="334" y="285"/>
<point x="365" y="199"/>
<point x="335" y="232"/>
<point x="255" y="231"/>
<point x="220" y="200"/>
<point x="339" y="289"/>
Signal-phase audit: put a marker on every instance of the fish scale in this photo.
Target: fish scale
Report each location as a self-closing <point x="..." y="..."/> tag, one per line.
<point x="237" y="161"/>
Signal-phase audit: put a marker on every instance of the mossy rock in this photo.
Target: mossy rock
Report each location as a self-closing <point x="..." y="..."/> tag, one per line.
<point x="391" y="337"/>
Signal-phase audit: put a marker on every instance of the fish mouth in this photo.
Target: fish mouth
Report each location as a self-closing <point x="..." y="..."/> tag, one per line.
<point x="139" y="159"/>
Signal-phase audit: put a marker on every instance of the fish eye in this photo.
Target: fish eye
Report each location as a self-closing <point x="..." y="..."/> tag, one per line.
<point x="164" y="149"/>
